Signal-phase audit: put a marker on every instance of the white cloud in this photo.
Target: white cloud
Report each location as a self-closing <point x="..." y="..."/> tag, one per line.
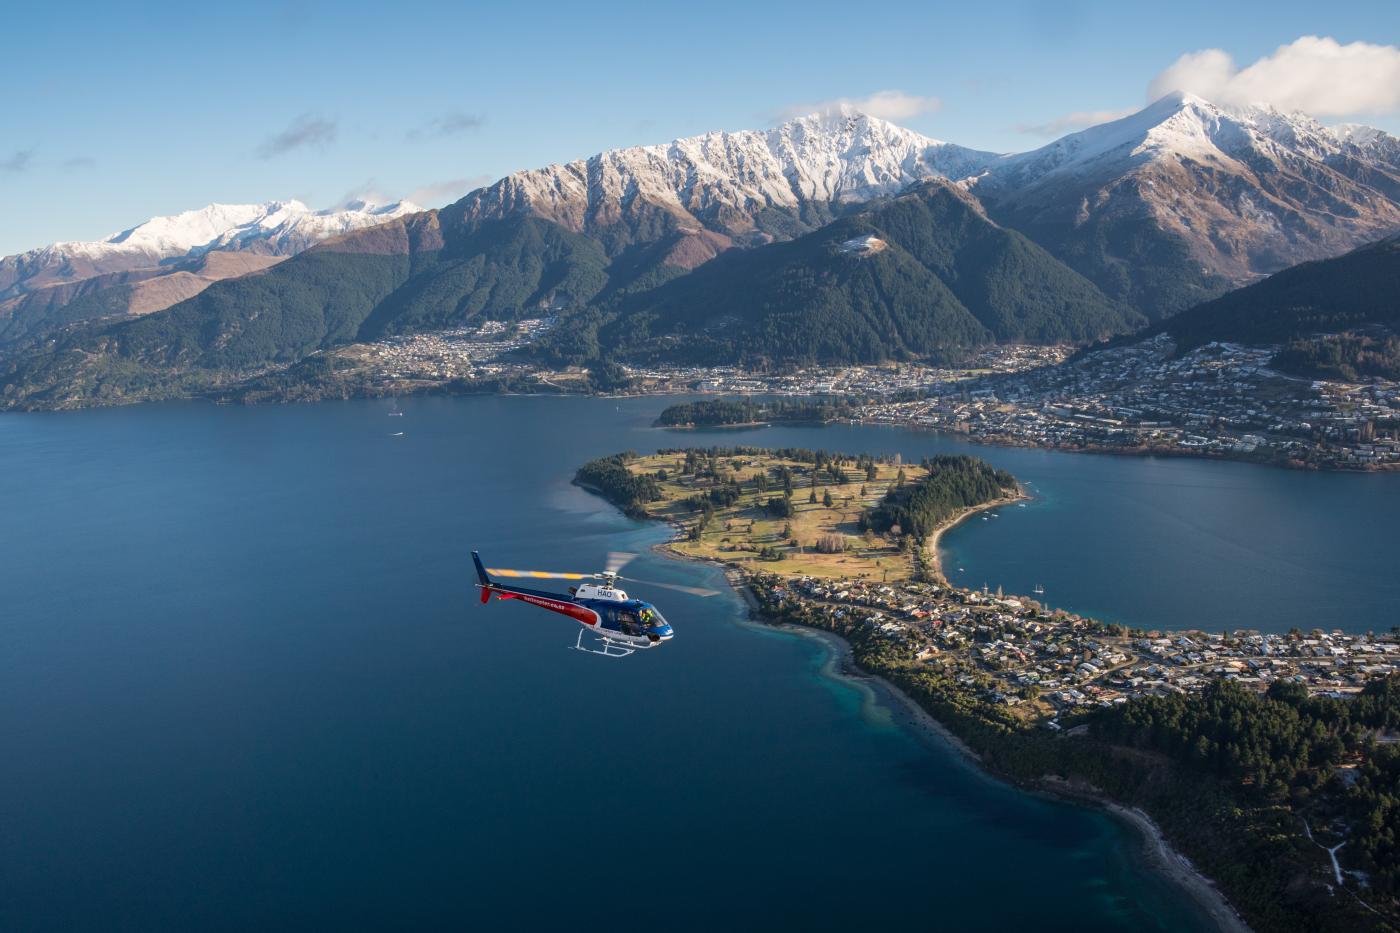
<point x="452" y="123"/>
<point x="1077" y="120"/>
<point x="1315" y="74"/>
<point x="436" y="194"/>
<point x="367" y="193"/>
<point x="20" y="161"/>
<point x="306" y="130"/>
<point x="445" y="192"/>
<point x="887" y="105"/>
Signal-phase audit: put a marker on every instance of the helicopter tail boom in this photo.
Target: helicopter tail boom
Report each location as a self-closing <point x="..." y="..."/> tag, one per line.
<point x="481" y="573"/>
<point x="483" y="577"/>
<point x="542" y="598"/>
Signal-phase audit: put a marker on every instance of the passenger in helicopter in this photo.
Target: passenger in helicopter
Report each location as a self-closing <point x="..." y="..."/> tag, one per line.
<point x="629" y="621"/>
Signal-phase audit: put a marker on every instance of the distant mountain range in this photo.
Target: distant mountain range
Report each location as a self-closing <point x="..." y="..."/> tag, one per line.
<point x="164" y="260"/>
<point x="727" y="246"/>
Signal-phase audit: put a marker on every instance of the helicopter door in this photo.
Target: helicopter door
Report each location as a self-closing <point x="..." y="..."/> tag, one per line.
<point x="607" y="616"/>
<point x="624" y="620"/>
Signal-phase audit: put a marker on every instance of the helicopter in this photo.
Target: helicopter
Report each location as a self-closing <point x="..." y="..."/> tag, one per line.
<point x="616" y="624"/>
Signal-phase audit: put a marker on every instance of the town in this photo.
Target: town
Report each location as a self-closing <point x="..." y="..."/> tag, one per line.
<point x="1045" y="662"/>
<point x="1220" y="400"/>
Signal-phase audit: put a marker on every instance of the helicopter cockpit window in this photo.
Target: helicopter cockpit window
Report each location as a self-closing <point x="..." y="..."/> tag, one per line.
<point x="629" y="620"/>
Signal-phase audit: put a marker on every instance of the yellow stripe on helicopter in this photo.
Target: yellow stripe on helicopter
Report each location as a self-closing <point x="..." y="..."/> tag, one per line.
<point x="537" y="574"/>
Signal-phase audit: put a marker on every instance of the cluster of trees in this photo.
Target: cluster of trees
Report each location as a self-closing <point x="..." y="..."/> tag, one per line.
<point x="780" y="507"/>
<point x="1350" y="357"/>
<point x="1276" y="744"/>
<point x="710" y="412"/>
<point x="719" y="496"/>
<point x="1284" y="748"/>
<point x="830" y="544"/>
<point x="627" y="490"/>
<point x="953" y="483"/>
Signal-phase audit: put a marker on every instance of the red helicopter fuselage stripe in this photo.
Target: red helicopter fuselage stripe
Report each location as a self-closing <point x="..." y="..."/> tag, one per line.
<point x="561" y="606"/>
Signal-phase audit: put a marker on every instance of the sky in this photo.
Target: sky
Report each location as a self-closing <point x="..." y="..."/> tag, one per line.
<point x="118" y="112"/>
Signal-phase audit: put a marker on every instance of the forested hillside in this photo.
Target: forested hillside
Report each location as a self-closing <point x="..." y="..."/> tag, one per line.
<point x="1328" y="296"/>
<point x="926" y="275"/>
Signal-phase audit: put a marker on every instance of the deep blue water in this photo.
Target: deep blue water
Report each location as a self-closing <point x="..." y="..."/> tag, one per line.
<point x="244" y="683"/>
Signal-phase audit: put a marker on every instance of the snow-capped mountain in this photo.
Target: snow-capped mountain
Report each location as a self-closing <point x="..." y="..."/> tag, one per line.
<point x="724" y="185"/>
<point x="1184" y="198"/>
<point x="274" y="228"/>
<point x="1163" y="208"/>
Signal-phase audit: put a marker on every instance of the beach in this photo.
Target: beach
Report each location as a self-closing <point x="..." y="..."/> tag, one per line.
<point x="933" y="558"/>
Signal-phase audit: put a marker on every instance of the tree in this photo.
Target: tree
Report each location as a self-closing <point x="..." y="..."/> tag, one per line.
<point x="826" y="498"/>
<point x="779" y="507"/>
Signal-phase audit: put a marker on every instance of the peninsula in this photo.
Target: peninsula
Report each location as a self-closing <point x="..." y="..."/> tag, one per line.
<point x="1253" y="755"/>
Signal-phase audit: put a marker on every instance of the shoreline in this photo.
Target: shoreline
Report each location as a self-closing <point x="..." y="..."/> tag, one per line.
<point x="934" y="560"/>
<point x="1141" y="451"/>
<point x="1154" y="848"/>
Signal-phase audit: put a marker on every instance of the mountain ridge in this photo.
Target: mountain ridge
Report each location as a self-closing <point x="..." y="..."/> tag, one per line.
<point x="1163" y="209"/>
<point x="1173" y="204"/>
<point x="52" y="286"/>
<point x="923" y="275"/>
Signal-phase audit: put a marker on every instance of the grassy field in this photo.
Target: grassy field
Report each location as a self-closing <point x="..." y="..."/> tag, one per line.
<point x="741" y="531"/>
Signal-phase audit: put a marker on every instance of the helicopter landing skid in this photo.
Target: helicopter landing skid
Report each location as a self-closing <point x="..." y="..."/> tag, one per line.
<point x="603" y="645"/>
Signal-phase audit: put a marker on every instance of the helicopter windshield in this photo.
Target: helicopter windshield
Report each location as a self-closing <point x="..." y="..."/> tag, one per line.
<point x="650" y="617"/>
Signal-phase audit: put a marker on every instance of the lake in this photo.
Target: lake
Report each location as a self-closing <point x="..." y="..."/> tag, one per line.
<point x="245" y="682"/>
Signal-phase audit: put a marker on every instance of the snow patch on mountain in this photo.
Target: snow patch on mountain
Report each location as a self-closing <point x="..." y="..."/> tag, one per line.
<point x="275" y="228"/>
<point x="282" y="226"/>
<point x="863" y="245"/>
<point x="721" y="180"/>
<point x="1178" y="127"/>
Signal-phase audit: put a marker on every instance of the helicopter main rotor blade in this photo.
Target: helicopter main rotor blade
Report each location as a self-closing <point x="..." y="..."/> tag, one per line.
<point x="618" y="559"/>
<point x="537" y="574"/>
<point x="692" y="590"/>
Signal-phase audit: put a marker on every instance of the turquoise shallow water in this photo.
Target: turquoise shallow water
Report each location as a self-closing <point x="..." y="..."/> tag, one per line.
<point x="244" y="683"/>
